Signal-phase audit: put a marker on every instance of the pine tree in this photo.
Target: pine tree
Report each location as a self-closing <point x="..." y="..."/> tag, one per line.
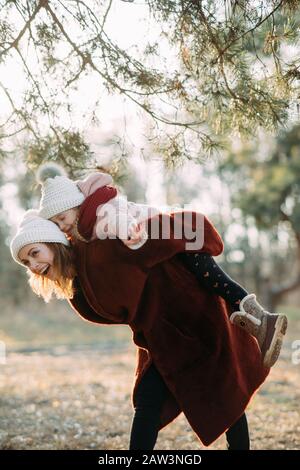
<point x="231" y="77"/>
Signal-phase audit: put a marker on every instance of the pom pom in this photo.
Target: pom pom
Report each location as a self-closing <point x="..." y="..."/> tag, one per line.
<point x="49" y="170"/>
<point x="29" y="216"/>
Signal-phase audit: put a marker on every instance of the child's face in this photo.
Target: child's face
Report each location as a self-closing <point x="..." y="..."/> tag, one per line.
<point x="66" y="220"/>
<point x="39" y="258"/>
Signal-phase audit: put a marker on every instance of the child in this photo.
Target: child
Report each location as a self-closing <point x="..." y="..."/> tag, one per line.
<point x="91" y="208"/>
<point x="78" y="208"/>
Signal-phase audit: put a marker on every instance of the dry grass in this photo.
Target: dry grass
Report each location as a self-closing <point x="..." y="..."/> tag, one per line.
<point x="81" y="400"/>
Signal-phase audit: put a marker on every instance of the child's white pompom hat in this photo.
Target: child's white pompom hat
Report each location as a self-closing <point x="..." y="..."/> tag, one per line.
<point x="59" y="193"/>
<point x="35" y="229"/>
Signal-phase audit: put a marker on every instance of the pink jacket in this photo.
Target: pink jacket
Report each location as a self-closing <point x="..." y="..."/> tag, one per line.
<point x="93" y="182"/>
<point x="122" y="214"/>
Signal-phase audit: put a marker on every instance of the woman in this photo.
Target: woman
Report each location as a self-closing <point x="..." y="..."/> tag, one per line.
<point x="190" y="358"/>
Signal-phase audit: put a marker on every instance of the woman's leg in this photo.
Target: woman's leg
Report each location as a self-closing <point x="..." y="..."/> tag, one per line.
<point x="150" y="395"/>
<point x="209" y="273"/>
<point x="238" y="435"/>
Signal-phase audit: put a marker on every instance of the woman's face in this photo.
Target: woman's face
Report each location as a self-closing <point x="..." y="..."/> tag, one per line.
<point x="39" y="258"/>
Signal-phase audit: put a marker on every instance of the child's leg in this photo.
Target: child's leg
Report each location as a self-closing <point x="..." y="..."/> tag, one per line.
<point x="267" y="328"/>
<point x="150" y="396"/>
<point x="238" y="435"/>
<point x="211" y="275"/>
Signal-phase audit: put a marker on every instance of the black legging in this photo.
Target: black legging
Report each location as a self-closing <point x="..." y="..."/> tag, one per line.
<point x="211" y="275"/>
<point x="150" y="395"/>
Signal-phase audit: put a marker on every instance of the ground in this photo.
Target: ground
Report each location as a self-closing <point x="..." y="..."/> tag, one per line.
<point x="61" y="398"/>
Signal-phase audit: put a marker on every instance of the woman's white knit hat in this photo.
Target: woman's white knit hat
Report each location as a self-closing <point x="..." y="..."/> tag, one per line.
<point x="35" y="229"/>
<point x="59" y="193"/>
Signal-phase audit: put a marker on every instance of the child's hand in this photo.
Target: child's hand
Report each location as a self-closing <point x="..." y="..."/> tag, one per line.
<point x="136" y="233"/>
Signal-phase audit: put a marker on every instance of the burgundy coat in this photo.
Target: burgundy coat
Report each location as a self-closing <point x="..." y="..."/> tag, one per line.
<point x="211" y="367"/>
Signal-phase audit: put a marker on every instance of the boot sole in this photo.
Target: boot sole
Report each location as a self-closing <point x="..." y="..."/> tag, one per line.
<point x="273" y="352"/>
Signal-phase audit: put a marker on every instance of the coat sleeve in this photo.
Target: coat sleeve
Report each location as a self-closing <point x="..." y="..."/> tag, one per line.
<point x="118" y="218"/>
<point x="171" y="234"/>
<point x="83" y="308"/>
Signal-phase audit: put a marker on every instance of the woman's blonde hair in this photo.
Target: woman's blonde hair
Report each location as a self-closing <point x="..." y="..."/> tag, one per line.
<point x="64" y="268"/>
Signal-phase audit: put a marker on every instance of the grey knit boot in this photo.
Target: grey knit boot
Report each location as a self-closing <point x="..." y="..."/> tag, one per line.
<point x="267" y="328"/>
